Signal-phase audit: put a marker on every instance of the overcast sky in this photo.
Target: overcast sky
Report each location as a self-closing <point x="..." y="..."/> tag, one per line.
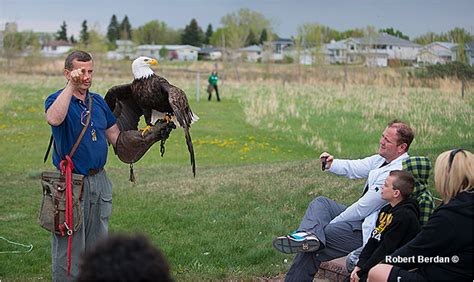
<point x="412" y="17"/>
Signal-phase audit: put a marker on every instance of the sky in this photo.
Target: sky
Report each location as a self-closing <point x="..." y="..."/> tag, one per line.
<point x="412" y="17"/>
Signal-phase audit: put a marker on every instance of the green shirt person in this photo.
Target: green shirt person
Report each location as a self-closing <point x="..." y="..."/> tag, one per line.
<point x="213" y="79"/>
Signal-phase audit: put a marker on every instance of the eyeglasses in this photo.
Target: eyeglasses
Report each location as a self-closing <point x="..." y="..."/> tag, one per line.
<point x="84" y="115"/>
<point x="451" y="157"/>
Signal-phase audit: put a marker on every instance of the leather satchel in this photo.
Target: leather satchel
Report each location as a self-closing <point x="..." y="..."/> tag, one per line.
<point x="52" y="214"/>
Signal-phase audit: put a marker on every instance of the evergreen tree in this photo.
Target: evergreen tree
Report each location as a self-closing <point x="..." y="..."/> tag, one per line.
<point x="113" y="31"/>
<point x="192" y="34"/>
<point x="208" y="35"/>
<point x="62" y="32"/>
<point x="125" y="29"/>
<point x="72" y="39"/>
<point x="84" y="36"/>
<point x="263" y="36"/>
<point x="251" y="39"/>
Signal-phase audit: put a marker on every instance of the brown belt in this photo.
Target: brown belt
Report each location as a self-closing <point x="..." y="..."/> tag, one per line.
<point x="95" y="171"/>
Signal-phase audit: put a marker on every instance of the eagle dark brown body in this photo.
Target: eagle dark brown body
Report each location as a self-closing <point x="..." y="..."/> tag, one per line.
<point x="149" y="93"/>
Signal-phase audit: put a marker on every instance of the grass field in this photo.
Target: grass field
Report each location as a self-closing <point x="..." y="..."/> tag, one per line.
<point x="256" y="168"/>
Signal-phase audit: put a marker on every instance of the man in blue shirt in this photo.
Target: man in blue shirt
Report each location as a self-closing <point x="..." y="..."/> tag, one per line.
<point x="67" y="111"/>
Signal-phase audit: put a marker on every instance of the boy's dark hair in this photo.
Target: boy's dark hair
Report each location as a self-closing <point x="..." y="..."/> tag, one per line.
<point x="124" y="258"/>
<point x="79" y="55"/>
<point x="403" y="182"/>
<point x="404" y="131"/>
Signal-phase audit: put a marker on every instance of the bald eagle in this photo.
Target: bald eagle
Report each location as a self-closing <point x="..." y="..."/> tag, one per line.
<point x="153" y="97"/>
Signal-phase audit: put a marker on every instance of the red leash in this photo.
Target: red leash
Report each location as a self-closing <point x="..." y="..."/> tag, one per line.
<point x="66" y="167"/>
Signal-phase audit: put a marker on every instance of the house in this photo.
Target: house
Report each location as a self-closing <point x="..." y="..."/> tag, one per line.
<point x="383" y="49"/>
<point x="55" y="48"/>
<point x="125" y="50"/>
<point x="277" y="49"/>
<point x="209" y="54"/>
<point x="436" y="53"/>
<point x="170" y="52"/>
<point x="336" y="52"/>
<point x="470" y="59"/>
<point x="467" y="51"/>
<point x="252" y="53"/>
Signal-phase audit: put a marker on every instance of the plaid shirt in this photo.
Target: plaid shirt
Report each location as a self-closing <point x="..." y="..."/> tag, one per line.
<point x="420" y="167"/>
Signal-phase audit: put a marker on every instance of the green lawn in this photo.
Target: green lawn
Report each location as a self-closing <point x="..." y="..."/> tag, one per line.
<point x="257" y="168"/>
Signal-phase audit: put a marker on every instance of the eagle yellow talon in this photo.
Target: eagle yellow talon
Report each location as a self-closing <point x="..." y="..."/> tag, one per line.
<point x="145" y="130"/>
<point x="167" y="118"/>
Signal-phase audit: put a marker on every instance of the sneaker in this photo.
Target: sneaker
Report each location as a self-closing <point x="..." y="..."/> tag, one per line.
<point x="297" y="242"/>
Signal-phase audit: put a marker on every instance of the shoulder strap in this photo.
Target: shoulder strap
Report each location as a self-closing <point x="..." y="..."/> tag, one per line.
<point x="51" y="139"/>
<point x="73" y="150"/>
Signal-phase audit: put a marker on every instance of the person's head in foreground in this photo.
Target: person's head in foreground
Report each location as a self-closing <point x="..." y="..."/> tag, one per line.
<point x="124" y="258"/>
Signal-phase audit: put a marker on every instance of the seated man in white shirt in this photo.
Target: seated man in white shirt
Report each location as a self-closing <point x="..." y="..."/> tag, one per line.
<point x="330" y="230"/>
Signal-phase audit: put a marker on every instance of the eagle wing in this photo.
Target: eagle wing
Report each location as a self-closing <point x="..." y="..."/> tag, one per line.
<point x="120" y="100"/>
<point x="184" y="116"/>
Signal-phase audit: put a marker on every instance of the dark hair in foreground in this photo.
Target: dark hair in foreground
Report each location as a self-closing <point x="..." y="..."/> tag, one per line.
<point x="124" y="258"/>
<point x="403" y="182"/>
<point x="79" y="55"/>
<point x="404" y="131"/>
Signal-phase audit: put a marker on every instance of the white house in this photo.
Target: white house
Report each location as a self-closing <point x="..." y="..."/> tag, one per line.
<point x="210" y="53"/>
<point x="55" y="48"/>
<point x="380" y="49"/>
<point x="174" y="52"/>
<point x="278" y="49"/>
<point x="125" y="50"/>
<point x="470" y="59"/>
<point x="337" y="52"/>
<point x="252" y="53"/>
<point x="436" y="53"/>
<point x="376" y="50"/>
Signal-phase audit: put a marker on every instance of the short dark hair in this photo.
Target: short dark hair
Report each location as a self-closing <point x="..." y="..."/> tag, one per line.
<point x="79" y="55"/>
<point x="404" y="131"/>
<point x="403" y="182"/>
<point x="124" y="258"/>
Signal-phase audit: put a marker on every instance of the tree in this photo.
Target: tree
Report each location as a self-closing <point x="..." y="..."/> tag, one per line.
<point x="62" y="32"/>
<point x="394" y="32"/>
<point x="72" y="39"/>
<point x="97" y="41"/>
<point x="13" y="45"/>
<point x="461" y="37"/>
<point x="125" y="29"/>
<point x="263" y="36"/>
<point x="156" y="32"/>
<point x="192" y="34"/>
<point x="237" y="26"/>
<point x="251" y="39"/>
<point x="84" y="35"/>
<point x="163" y="53"/>
<point x="208" y="35"/>
<point x="113" y="30"/>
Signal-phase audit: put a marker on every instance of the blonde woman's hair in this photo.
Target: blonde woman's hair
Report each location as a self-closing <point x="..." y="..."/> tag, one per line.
<point x="454" y="173"/>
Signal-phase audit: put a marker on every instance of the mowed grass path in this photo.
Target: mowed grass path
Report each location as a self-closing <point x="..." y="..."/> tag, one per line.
<point x="256" y="169"/>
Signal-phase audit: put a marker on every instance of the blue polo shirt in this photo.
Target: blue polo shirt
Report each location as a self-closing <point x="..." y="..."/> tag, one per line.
<point x="90" y="154"/>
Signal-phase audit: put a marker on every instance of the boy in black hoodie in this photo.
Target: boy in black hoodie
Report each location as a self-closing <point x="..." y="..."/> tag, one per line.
<point x="396" y="225"/>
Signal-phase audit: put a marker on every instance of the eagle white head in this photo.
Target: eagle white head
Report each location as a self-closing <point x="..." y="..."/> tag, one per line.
<point x="141" y="67"/>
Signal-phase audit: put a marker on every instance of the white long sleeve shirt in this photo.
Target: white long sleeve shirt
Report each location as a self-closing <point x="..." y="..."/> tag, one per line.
<point x="368" y="206"/>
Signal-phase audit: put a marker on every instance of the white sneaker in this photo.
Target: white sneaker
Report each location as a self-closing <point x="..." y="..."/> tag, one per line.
<point x="297" y="242"/>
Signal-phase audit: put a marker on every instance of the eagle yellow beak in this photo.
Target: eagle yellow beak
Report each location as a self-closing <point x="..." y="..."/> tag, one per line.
<point x="153" y="62"/>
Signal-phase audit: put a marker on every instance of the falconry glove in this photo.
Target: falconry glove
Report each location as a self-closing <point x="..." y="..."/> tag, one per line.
<point x="133" y="144"/>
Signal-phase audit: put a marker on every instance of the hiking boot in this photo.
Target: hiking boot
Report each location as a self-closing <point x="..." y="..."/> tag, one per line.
<point x="297" y="242"/>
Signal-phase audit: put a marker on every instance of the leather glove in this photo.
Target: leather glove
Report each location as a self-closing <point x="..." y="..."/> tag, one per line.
<point x="132" y="145"/>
